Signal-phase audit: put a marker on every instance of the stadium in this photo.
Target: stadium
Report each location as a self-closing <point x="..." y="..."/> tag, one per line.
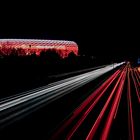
<point x="31" y="46"/>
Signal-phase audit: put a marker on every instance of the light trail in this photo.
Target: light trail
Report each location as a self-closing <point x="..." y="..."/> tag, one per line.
<point x="137" y="78"/>
<point x="80" y="109"/>
<point x="89" y="75"/>
<point x="16" y="107"/>
<point x="75" y="72"/>
<point x="136" y="86"/>
<point x="98" y="120"/>
<point x="86" y="113"/>
<point x="130" y="116"/>
<point x="113" y="110"/>
<point x="78" y="117"/>
<point x="41" y="96"/>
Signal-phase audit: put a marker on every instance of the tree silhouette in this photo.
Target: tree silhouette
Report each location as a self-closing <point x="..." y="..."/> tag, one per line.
<point x="50" y="57"/>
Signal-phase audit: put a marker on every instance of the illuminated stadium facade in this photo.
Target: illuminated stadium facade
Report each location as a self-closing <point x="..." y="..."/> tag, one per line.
<point x="30" y="46"/>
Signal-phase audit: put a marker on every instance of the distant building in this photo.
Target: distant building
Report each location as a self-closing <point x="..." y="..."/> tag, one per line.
<point x="31" y="46"/>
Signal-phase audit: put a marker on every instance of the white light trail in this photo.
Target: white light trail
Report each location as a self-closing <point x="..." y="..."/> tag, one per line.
<point x="53" y="90"/>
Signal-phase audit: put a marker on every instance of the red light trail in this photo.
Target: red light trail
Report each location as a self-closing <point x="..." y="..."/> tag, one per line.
<point x="130" y="116"/>
<point x="86" y="113"/>
<point x="98" y="120"/>
<point x="136" y="85"/>
<point x="113" y="108"/>
<point x="108" y="112"/>
<point x="84" y="105"/>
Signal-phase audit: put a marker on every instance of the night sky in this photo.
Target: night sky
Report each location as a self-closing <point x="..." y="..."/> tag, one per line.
<point x="98" y="29"/>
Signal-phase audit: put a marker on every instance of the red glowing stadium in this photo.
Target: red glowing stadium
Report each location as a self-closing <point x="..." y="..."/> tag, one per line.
<point x="30" y="46"/>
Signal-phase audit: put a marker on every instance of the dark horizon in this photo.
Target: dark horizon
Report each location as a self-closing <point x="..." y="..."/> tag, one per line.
<point x="98" y="31"/>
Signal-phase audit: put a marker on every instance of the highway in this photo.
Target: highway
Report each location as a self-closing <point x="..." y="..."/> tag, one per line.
<point x="95" y="117"/>
<point x="27" y="101"/>
<point x="107" y="111"/>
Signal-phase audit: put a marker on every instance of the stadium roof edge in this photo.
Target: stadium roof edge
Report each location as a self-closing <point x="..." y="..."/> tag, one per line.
<point x="38" y="40"/>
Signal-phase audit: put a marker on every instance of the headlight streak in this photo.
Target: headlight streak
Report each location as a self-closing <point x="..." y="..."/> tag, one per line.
<point x="35" y="99"/>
